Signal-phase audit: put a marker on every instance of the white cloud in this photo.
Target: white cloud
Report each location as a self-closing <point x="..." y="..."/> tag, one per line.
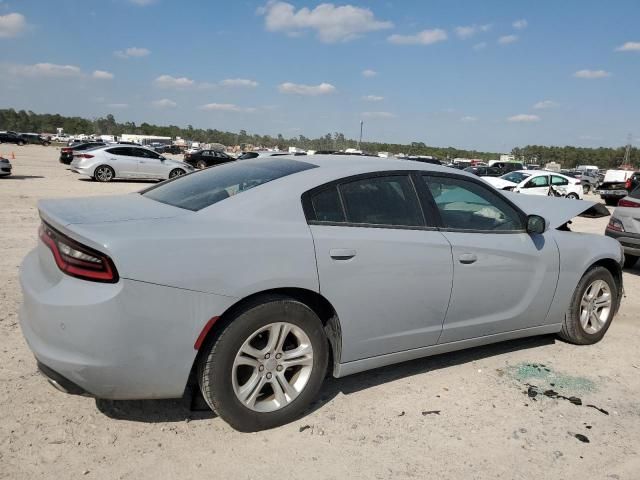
<point x="471" y="30"/>
<point x="369" y="73"/>
<point x="425" y="37"/>
<point x="378" y="115"/>
<point x="12" y="25"/>
<point x="629" y="47"/>
<point x="102" y="75"/>
<point x="523" y="118"/>
<point x="226" y="107"/>
<point x="507" y="39"/>
<point x="164" y="103"/>
<point x="239" y="82"/>
<point x="142" y="3"/>
<point x="167" y="81"/>
<point x="330" y="22"/>
<point x="372" y="98"/>
<point x="469" y="119"/>
<point x="312" y="90"/>
<point x="132" y="52"/>
<point x="46" y="70"/>
<point x="480" y="46"/>
<point x="591" y="74"/>
<point x="118" y="105"/>
<point x="544" y="104"/>
<point x="520" y="24"/>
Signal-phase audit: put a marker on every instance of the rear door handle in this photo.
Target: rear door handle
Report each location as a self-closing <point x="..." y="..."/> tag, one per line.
<point x="342" y="253"/>
<point x="467" y="258"/>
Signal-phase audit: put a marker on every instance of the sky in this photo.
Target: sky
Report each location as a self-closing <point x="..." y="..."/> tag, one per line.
<point x="487" y="75"/>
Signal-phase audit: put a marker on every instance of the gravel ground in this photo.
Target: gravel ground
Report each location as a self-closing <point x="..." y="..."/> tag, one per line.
<point x="461" y="415"/>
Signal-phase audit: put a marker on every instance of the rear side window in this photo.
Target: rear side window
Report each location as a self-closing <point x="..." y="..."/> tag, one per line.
<point x="207" y="187"/>
<point x="382" y="201"/>
<point x="327" y="206"/>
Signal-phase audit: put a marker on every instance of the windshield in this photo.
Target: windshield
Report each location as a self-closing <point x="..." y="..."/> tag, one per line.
<point x="515" y="177"/>
<point x="206" y="187"/>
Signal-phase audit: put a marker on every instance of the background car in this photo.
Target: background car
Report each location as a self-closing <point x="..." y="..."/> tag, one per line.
<point x="11" y="137"/>
<point x="506" y="167"/>
<point x="269" y="153"/>
<point x="617" y="184"/>
<point x="624" y="226"/>
<point x="207" y="158"/>
<point x="258" y="278"/>
<point x="66" y="153"/>
<point x="173" y="149"/>
<point x="538" y="182"/>
<point x="5" y="167"/>
<point x="124" y="161"/>
<point x="484" y="171"/>
<point x="35" y="139"/>
<point x="588" y="179"/>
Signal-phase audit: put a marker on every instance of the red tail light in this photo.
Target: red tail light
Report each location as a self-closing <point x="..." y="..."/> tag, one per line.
<point x="628" y="203"/>
<point x="67" y="150"/>
<point x="78" y="260"/>
<point x="627" y="184"/>
<point x="83" y="155"/>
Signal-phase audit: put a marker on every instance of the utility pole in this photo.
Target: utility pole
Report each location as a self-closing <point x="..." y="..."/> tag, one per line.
<point x="360" y="140"/>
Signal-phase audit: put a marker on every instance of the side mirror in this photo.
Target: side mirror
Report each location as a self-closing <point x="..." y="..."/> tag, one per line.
<point x="536" y="224"/>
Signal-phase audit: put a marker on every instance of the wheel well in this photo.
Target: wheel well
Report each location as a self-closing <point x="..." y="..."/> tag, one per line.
<point x="316" y="302"/>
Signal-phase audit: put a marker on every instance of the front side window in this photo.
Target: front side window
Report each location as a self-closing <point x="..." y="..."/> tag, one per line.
<point x="466" y="205"/>
<point x="382" y="201"/>
<point x="556" y="180"/>
<point x="535" y="182"/>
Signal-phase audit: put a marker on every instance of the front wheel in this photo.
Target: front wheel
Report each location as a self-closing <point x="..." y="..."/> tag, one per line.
<point x="572" y="196"/>
<point x="594" y="302"/>
<point x="201" y="164"/>
<point x="176" y="172"/>
<point x="104" y="173"/>
<point x="20" y="143"/>
<point x="266" y="366"/>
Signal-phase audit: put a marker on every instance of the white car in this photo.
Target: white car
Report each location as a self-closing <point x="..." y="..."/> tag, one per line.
<point x="537" y="182"/>
<point x="126" y="161"/>
<point x="624" y="226"/>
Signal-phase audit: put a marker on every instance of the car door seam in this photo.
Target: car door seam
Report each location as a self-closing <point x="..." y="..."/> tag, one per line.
<point x="453" y="275"/>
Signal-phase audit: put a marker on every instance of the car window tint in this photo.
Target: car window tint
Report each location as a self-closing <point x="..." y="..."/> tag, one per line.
<point x="247" y="155"/>
<point x="382" y="201"/>
<point x="541" y="181"/>
<point x="118" y="151"/>
<point x="465" y="205"/>
<point x="207" y="187"/>
<point x="556" y="180"/>
<point x="327" y="206"/>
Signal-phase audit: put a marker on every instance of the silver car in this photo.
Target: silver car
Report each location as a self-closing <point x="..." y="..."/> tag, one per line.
<point x="5" y="167"/>
<point x="258" y="278"/>
<point x="126" y="161"/>
<point x="624" y="226"/>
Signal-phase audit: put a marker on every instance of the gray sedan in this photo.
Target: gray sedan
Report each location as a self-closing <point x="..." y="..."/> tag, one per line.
<point x="258" y="278"/>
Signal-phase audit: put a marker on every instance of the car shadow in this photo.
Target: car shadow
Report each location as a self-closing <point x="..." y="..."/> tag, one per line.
<point x="21" y="177"/>
<point x="179" y="410"/>
<point x="121" y="180"/>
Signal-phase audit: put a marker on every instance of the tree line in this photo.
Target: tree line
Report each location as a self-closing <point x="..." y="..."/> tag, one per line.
<point x="568" y="156"/>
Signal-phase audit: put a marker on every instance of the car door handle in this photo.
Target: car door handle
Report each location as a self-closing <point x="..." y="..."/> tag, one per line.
<point x="342" y="253"/>
<point x="467" y="258"/>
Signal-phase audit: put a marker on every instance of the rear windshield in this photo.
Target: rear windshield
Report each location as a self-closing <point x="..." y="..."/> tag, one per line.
<point x="204" y="188"/>
<point x="515" y="177"/>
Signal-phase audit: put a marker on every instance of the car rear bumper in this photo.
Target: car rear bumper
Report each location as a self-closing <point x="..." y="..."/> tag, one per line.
<point x="629" y="241"/>
<point x="612" y="193"/>
<point x="128" y="340"/>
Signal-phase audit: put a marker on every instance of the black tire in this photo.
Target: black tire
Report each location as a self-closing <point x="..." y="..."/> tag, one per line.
<point x="630" y="261"/>
<point x="572" y="196"/>
<point x="176" y="172"/>
<point x="216" y="364"/>
<point x="103" y="173"/>
<point x="20" y="143"/>
<point x="612" y="202"/>
<point x="572" y="330"/>
<point x="585" y="189"/>
<point x="201" y="164"/>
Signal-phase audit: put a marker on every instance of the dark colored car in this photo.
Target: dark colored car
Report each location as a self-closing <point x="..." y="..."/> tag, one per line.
<point x="612" y="191"/>
<point x="35" y="139"/>
<point x="484" y="171"/>
<point x="11" y="137"/>
<point x="506" y="167"/>
<point x="207" y="158"/>
<point x="66" y="153"/>
<point x="174" y="149"/>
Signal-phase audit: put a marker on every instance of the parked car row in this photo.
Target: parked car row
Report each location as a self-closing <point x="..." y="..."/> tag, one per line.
<point x="24" y="138"/>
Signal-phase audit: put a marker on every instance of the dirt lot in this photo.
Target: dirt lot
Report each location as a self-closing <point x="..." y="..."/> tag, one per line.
<point x="463" y="415"/>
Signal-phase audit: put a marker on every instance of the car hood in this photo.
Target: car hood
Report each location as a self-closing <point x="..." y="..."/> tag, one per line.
<point x="557" y="210"/>
<point x="104" y="209"/>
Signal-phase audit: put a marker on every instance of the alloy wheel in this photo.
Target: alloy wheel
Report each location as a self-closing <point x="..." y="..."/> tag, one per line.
<point x="272" y="367"/>
<point x="595" y="306"/>
<point x="104" y="174"/>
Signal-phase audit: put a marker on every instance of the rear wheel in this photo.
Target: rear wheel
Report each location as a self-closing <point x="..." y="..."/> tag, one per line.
<point x="201" y="164"/>
<point x="592" y="307"/>
<point x="176" y="172"/>
<point x="630" y="261"/>
<point x="20" y="143"/>
<point x="266" y="366"/>
<point x="572" y="196"/>
<point x="104" y="173"/>
<point x="586" y="188"/>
